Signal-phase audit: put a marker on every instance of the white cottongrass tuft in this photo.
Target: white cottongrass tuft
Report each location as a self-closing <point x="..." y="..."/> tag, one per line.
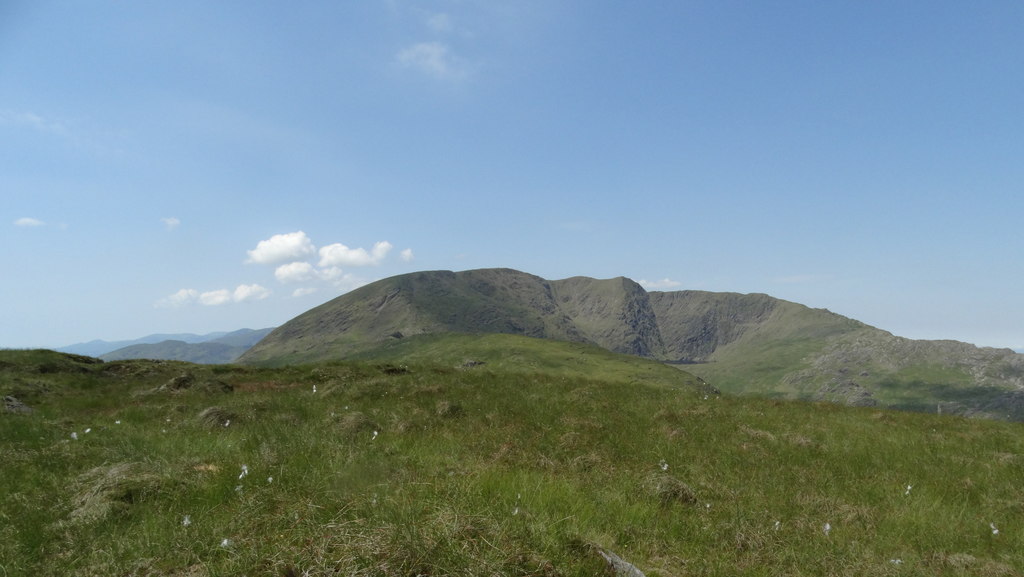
<point x="374" y="436"/>
<point x="117" y="422"/>
<point x="778" y="524"/>
<point x="896" y="561"/>
<point x="270" y="479"/>
<point x="827" y="528"/>
<point x="314" y="388"/>
<point x="227" y="422"/>
<point x="245" y="471"/>
<point x="225" y="542"/>
<point x="992" y="526"/>
<point x="186" y="521"/>
<point x="87" y="431"/>
<point x="909" y="487"/>
<point x="74" y="436"/>
<point x="663" y="465"/>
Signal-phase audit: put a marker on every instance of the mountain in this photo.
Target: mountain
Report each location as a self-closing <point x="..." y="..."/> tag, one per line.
<point x="739" y="343"/>
<point x="99" y="347"/>
<point x="221" y="348"/>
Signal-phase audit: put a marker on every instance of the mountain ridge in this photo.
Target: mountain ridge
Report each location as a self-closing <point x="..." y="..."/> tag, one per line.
<point x="740" y="343"/>
<point x="212" y="348"/>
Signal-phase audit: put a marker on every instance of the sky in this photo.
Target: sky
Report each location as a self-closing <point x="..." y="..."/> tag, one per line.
<point x="196" y="166"/>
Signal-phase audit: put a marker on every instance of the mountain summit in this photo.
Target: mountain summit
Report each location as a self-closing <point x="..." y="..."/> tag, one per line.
<point x="740" y="343"/>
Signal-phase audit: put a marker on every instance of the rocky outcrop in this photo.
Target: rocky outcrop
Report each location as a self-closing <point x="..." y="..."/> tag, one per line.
<point x="13" y="405"/>
<point x="694" y="324"/>
<point x="846" y="393"/>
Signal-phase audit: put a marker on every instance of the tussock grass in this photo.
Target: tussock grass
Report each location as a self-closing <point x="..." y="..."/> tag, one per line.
<point x="483" y="471"/>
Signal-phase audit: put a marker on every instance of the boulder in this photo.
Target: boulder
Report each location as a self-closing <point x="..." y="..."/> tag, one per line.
<point x="13" y="405"/>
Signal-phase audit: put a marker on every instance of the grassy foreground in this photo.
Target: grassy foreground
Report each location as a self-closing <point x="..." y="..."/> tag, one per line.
<point x="164" y="468"/>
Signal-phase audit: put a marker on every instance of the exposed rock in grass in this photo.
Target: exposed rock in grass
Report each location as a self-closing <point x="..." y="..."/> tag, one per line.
<point x="618" y="566"/>
<point x="846" y="393"/>
<point x="13" y="405"/>
<point x="182" y="381"/>
<point x="213" y="417"/>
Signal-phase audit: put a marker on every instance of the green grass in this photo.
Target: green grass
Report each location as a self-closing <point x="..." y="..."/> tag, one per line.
<point x="418" y="467"/>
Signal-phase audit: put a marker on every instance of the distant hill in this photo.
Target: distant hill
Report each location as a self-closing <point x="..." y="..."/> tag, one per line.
<point x="739" y="343"/>
<point x="99" y="347"/>
<point x="221" y="348"/>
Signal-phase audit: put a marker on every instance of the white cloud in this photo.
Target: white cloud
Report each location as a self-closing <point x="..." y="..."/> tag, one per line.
<point x="215" y="298"/>
<point x="171" y="222"/>
<point x="407" y="255"/>
<point x="298" y="271"/>
<point x="28" y="221"/>
<point x="337" y="254"/>
<point x="664" y="283"/>
<point x="180" y="298"/>
<point x="281" y="248"/>
<point x="301" y="292"/>
<point x="433" y="59"/>
<point x="331" y="273"/>
<point x="250" y="292"/>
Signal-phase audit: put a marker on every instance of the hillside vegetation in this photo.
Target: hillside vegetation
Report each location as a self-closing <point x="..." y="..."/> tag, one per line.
<point x="498" y="455"/>
<point x="744" y="344"/>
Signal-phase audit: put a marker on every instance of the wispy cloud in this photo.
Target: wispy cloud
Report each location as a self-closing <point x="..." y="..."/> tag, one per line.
<point x="242" y="293"/>
<point x="665" y="283"/>
<point x="440" y="23"/>
<point x="407" y="255"/>
<point x="171" y="222"/>
<point x="434" y="59"/>
<point x="28" y="222"/>
<point x="282" y="247"/>
<point x="32" y="121"/>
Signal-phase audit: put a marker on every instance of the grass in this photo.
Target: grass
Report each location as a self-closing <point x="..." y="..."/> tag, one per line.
<point x="422" y="468"/>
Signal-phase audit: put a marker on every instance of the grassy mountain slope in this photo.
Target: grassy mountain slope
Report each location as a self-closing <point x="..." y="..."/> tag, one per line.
<point x="752" y="344"/>
<point x="205" y="353"/>
<point x="481" y="301"/>
<point x="356" y="468"/>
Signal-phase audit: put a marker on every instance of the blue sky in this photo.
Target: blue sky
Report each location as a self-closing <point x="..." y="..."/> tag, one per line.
<point x="199" y="166"/>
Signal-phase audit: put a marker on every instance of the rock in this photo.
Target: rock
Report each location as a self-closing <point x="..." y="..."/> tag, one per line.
<point x="13" y="405"/>
<point x="216" y="417"/>
<point x="618" y="566"/>
<point x="182" y="381"/>
<point x="846" y="393"/>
